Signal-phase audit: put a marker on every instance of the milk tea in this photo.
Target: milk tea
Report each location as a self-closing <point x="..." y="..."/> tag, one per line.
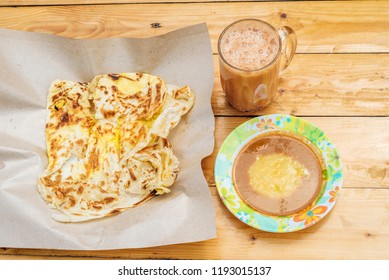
<point x="249" y="53"/>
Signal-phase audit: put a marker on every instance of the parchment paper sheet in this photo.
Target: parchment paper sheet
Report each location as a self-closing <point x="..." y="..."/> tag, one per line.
<point x="29" y="62"/>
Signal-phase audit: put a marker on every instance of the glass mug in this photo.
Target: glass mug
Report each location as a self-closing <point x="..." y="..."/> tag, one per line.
<point x="252" y="55"/>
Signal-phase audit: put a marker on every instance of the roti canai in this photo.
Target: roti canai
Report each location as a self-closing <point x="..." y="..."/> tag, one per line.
<point x="107" y="143"/>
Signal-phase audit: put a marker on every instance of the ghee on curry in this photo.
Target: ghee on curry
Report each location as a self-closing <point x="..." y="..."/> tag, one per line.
<point x="278" y="173"/>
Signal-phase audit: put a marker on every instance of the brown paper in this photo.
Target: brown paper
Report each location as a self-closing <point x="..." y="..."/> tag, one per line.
<point x="29" y="62"/>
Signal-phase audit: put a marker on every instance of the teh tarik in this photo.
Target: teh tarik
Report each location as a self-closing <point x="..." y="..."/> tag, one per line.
<point x="249" y="56"/>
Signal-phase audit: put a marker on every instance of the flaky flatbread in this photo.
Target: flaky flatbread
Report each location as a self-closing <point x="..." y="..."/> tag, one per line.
<point x="107" y="143"/>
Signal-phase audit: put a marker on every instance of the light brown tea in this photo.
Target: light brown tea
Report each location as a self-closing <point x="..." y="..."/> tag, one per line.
<point x="249" y="53"/>
<point x="278" y="173"/>
<point x="250" y="47"/>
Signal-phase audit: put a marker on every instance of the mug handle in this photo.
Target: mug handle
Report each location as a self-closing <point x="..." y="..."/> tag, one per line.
<point x="289" y="45"/>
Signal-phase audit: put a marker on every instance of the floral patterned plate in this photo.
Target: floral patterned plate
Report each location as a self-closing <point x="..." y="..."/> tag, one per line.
<point x="240" y="136"/>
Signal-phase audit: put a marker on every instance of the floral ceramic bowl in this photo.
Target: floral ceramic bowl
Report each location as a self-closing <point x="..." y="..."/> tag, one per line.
<point x="240" y="136"/>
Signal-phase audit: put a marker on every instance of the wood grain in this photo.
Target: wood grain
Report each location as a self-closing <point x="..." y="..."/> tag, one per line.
<point x="97" y="2"/>
<point x="339" y="75"/>
<point x="324" y="85"/>
<point x="93" y="2"/>
<point x="363" y="145"/>
<point x="357" y="228"/>
<point x="322" y="27"/>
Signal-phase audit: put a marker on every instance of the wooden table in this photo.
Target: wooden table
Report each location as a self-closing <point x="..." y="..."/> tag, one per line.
<point x="339" y="80"/>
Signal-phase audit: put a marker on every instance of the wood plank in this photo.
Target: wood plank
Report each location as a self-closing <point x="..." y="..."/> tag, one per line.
<point x="97" y="2"/>
<point x="363" y="145"/>
<point x="324" y="85"/>
<point x="30" y="257"/>
<point x="357" y="228"/>
<point x="322" y="27"/>
<point x="360" y="219"/>
<point x="94" y="2"/>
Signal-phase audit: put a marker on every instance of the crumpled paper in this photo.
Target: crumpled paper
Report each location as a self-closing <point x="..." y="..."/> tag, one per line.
<point x="29" y="63"/>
